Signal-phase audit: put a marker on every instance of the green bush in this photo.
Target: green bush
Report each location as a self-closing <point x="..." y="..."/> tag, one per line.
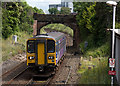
<point x="101" y="51"/>
<point x="6" y="31"/>
<point x="94" y="50"/>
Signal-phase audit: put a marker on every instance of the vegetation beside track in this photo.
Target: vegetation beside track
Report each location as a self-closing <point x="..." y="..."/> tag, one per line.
<point x="98" y="72"/>
<point x="94" y="21"/>
<point x="94" y="71"/>
<point x="9" y="49"/>
<point x="17" y="19"/>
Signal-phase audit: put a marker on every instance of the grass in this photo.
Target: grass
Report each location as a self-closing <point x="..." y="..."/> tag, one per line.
<point x="95" y="75"/>
<point x="59" y="27"/>
<point x="9" y="49"/>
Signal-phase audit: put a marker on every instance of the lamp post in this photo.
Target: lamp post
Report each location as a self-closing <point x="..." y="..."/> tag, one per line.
<point x="113" y="3"/>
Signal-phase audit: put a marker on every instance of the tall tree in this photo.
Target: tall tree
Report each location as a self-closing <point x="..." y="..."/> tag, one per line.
<point x="17" y="16"/>
<point x="11" y="15"/>
<point x="85" y="18"/>
<point x="39" y="11"/>
<point x="65" y="10"/>
<point x="93" y="19"/>
<point x="53" y="11"/>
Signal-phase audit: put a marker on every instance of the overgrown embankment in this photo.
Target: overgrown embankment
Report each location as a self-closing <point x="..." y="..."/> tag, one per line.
<point x="95" y="71"/>
<point x="10" y="49"/>
<point x="93" y="23"/>
<point x="17" y="19"/>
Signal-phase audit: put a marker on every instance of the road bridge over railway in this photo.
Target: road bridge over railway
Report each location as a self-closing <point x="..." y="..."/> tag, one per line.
<point x="68" y="20"/>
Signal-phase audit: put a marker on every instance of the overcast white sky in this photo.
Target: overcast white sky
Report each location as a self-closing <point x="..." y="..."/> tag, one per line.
<point x="42" y="4"/>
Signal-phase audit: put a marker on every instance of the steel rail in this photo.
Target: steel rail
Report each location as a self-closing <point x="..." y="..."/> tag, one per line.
<point x="9" y="82"/>
<point x="30" y="82"/>
<point x="70" y="68"/>
<point x="19" y="65"/>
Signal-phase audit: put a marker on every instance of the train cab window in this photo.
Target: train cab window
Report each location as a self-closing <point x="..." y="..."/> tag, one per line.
<point x="50" y="46"/>
<point x="31" y="46"/>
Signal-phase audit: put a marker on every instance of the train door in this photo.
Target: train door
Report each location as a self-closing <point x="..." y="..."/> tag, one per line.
<point x="41" y="53"/>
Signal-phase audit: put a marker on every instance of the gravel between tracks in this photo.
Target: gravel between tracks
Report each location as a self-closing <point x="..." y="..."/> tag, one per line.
<point x="69" y="65"/>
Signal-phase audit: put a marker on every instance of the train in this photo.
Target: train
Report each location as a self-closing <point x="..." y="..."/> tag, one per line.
<point x="45" y="50"/>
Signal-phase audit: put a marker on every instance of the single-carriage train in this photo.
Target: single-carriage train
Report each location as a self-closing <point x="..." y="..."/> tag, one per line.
<point x="45" y="51"/>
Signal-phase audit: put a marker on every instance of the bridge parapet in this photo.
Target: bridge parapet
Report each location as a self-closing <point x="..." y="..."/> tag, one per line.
<point x="55" y="18"/>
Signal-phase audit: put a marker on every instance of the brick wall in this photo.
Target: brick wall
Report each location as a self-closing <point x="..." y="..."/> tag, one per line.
<point x="35" y="27"/>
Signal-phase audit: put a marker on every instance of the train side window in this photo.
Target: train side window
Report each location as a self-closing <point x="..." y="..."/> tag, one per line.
<point x="50" y="46"/>
<point x="31" y="46"/>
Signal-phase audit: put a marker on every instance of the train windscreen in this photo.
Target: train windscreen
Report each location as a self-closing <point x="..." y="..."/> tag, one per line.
<point x="31" y="46"/>
<point x="50" y="46"/>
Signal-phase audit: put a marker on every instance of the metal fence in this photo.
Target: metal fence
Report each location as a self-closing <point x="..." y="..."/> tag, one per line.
<point x="117" y="57"/>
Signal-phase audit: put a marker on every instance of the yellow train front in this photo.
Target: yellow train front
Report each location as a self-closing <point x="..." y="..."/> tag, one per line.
<point x="45" y="51"/>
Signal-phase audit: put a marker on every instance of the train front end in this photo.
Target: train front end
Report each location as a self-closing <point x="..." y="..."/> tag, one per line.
<point x="41" y="52"/>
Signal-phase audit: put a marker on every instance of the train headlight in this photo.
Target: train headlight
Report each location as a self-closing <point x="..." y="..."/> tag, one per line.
<point x="51" y="57"/>
<point x="31" y="57"/>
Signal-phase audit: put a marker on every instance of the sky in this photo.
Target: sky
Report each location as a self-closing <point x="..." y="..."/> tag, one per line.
<point x="42" y="4"/>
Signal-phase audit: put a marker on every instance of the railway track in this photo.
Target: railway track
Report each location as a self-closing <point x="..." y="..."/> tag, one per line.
<point x="42" y="81"/>
<point x="23" y="75"/>
<point x="10" y="75"/>
<point x="20" y="73"/>
<point x="20" y="78"/>
<point x="30" y="82"/>
<point x="23" y="78"/>
<point x="63" y="76"/>
<point x="15" y="68"/>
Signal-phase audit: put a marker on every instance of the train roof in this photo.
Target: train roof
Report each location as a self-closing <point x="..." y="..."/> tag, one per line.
<point x="43" y="36"/>
<point x="54" y="35"/>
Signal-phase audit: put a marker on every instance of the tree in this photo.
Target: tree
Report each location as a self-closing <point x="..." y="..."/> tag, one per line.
<point x="17" y="16"/>
<point x="26" y="17"/>
<point x="11" y="14"/>
<point x="39" y="11"/>
<point x="53" y="11"/>
<point x="65" y="10"/>
<point x="85" y="18"/>
<point x="93" y="19"/>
